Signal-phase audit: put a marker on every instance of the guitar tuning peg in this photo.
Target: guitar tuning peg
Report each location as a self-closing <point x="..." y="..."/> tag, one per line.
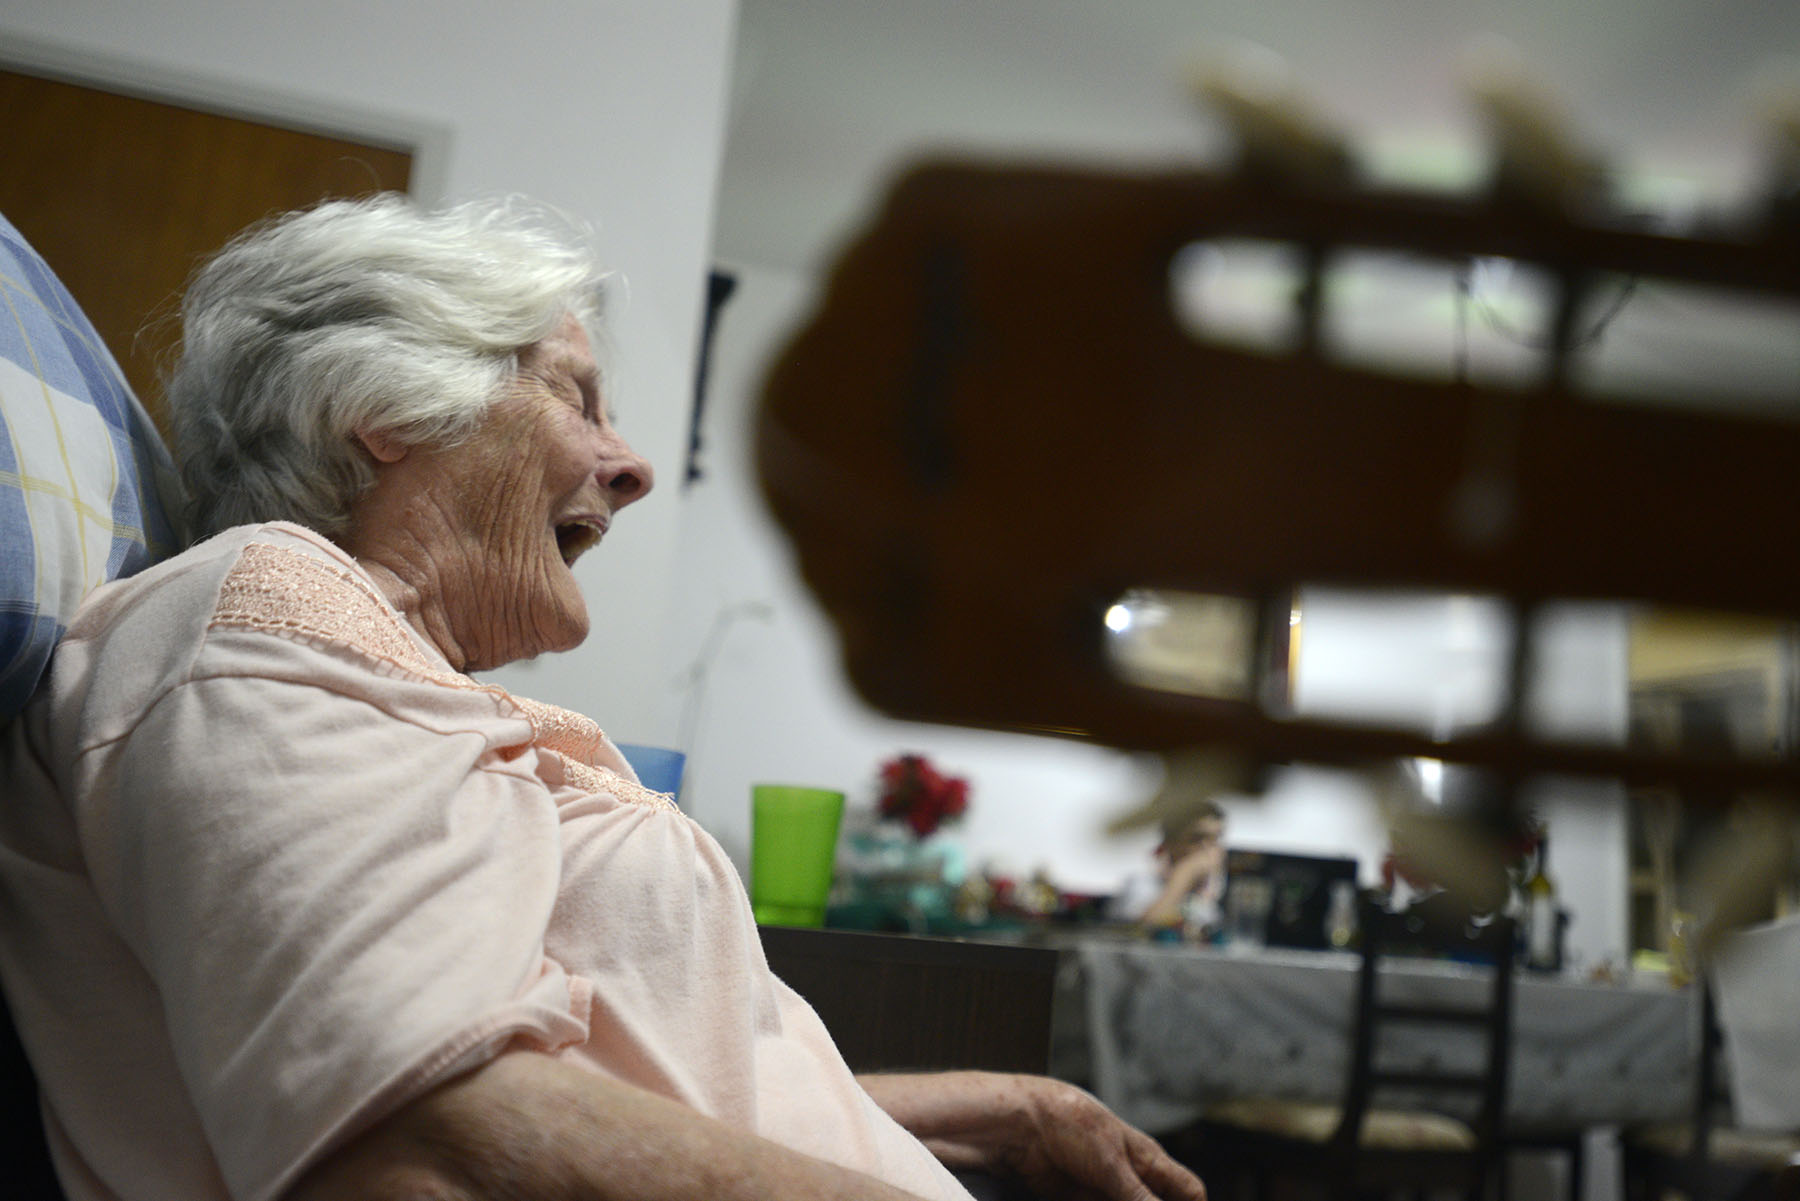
<point x="1278" y="136"/>
<point x="1538" y="159"/>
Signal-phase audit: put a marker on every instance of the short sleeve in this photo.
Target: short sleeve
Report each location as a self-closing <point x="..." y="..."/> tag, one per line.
<point x="339" y="877"/>
<point x="86" y="486"/>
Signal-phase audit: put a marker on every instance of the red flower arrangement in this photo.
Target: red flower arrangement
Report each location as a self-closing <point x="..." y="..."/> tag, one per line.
<point x="914" y="791"/>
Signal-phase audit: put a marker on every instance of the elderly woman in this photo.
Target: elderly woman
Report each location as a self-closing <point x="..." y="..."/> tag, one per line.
<point x="299" y="909"/>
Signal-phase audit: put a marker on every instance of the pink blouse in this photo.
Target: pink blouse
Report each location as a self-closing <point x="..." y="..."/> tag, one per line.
<point x="269" y="868"/>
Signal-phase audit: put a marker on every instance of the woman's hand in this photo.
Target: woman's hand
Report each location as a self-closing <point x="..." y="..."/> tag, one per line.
<point x="1057" y="1139"/>
<point x="1079" y="1149"/>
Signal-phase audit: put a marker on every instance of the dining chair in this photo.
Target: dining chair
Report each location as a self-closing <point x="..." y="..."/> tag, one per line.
<point x="1706" y="1158"/>
<point x="1440" y="1128"/>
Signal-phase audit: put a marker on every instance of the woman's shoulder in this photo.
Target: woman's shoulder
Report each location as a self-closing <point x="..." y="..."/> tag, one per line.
<point x="189" y="582"/>
<point x="269" y="579"/>
<point x="256" y="606"/>
<point x="135" y="639"/>
<point x="287" y="580"/>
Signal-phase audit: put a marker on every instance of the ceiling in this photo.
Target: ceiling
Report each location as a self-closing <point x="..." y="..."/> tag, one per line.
<point x="829" y="95"/>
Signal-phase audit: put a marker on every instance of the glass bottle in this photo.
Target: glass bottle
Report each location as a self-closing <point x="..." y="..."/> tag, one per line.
<point x="1542" y="918"/>
<point x="1340" y="916"/>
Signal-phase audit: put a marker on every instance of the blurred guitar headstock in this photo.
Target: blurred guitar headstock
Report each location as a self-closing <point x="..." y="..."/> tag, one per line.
<point x="996" y="427"/>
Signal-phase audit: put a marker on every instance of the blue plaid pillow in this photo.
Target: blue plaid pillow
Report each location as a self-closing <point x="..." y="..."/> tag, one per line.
<point x="84" y="478"/>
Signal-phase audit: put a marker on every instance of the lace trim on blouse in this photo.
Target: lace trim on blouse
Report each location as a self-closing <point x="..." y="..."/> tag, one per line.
<point x="278" y="590"/>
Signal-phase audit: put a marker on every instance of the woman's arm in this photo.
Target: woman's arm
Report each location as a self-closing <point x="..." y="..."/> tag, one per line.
<point x="1055" y="1137"/>
<point x="527" y="1127"/>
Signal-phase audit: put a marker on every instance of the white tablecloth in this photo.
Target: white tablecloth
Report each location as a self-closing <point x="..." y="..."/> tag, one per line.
<point x="1168" y="1030"/>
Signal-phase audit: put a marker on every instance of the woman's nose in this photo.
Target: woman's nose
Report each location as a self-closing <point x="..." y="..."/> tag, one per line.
<point x="627" y="475"/>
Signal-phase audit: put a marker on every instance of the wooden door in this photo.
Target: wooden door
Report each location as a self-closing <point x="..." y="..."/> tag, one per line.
<point x="123" y="195"/>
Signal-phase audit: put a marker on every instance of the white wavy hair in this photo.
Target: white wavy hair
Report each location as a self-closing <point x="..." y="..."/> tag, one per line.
<point x="368" y="314"/>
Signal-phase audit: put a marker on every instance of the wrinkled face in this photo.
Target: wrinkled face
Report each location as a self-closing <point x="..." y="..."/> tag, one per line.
<point x="533" y="488"/>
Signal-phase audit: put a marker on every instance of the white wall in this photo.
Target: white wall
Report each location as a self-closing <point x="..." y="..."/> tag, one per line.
<point x="610" y="109"/>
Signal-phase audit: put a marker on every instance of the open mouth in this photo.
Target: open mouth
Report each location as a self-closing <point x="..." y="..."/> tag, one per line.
<point x="576" y="538"/>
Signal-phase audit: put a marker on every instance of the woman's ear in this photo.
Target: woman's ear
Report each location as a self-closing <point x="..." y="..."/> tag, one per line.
<point x="382" y="445"/>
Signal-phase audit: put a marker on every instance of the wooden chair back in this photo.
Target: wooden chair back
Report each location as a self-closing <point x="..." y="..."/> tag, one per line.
<point x="1711" y="1096"/>
<point x="896" y="1003"/>
<point x="1476" y="1094"/>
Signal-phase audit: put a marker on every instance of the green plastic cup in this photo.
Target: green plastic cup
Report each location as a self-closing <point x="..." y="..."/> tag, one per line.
<point x="793" y="843"/>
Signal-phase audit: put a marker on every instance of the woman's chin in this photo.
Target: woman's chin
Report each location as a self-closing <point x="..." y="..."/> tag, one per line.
<point x="570" y="629"/>
<point x="564" y="624"/>
<point x="547" y="630"/>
